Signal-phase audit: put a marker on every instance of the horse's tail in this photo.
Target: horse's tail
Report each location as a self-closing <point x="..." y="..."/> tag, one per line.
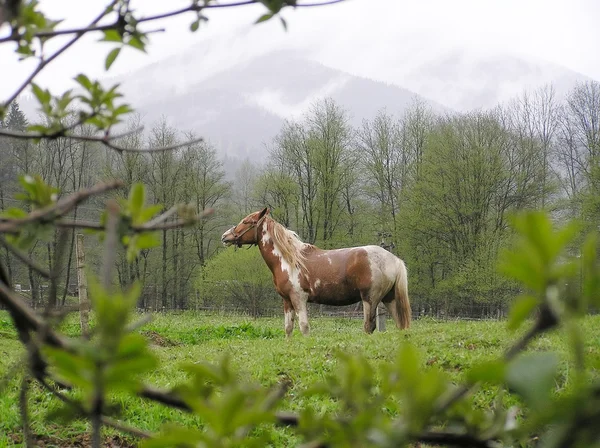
<point x="401" y="301"/>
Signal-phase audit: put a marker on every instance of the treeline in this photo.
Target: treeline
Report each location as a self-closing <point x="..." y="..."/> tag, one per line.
<point x="437" y="189"/>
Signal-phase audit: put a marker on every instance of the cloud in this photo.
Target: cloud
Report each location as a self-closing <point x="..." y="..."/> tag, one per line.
<point x="363" y="37"/>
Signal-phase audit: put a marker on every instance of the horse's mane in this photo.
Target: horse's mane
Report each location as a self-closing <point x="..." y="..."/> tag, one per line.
<point x="289" y="244"/>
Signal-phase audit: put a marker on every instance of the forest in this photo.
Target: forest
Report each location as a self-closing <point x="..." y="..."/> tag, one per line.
<point x="437" y="189"/>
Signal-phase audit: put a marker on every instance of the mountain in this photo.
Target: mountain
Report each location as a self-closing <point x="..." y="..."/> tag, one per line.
<point x="237" y="90"/>
<point x="464" y="79"/>
<point x="242" y="108"/>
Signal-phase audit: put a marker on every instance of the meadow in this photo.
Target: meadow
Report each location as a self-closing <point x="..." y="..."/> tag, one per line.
<point x="258" y="350"/>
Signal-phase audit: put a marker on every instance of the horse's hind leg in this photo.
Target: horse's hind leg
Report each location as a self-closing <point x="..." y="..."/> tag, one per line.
<point x="391" y="303"/>
<point x="369" y="312"/>
<point x="288" y="311"/>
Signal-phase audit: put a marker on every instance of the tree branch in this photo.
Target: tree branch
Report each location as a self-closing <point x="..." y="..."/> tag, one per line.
<point x="452" y="439"/>
<point x="24" y="258"/>
<point x="15" y="37"/>
<point x="62" y="207"/>
<point x="44" y="62"/>
<point x="106" y="140"/>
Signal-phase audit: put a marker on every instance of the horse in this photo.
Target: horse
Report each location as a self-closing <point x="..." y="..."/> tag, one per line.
<point x="304" y="273"/>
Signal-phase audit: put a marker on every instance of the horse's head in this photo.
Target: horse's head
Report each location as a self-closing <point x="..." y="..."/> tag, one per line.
<point x="246" y="232"/>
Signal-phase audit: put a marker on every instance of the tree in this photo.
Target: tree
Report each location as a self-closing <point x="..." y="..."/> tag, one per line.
<point x="472" y="175"/>
<point x="318" y="153"/>
<point x="380" y="145"/>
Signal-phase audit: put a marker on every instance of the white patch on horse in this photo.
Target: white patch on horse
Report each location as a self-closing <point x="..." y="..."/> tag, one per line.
<point x="329" y="259"/>
<point x="314" y="286"/>
<point x="266" y="237"/>
<point x="383" y="265"/>
<point x="292" y="271"/>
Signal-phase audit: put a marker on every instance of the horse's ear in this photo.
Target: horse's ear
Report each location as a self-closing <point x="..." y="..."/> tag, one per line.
<point x="264" y="211"/>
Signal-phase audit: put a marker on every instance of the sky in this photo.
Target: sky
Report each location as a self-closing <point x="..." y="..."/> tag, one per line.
<point x="357" y="36"/>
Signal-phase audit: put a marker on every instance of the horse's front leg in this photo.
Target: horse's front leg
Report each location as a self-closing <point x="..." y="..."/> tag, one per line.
<point x="288" y="312"/>
<point x="299" y="301"/>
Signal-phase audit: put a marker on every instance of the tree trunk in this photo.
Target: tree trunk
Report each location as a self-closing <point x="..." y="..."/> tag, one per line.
<point x="82" y="287"/>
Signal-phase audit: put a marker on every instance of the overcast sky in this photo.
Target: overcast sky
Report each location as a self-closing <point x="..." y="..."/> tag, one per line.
<point x="356" y="35"/>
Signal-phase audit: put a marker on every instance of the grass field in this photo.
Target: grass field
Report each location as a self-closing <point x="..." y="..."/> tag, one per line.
<point x="258" y="350"/>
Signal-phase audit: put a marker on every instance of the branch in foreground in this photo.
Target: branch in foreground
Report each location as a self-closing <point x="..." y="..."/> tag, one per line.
<point x="24" y="258"/>
<point x="453" y="439"/>
<point x="62" y="207"/>
<point x="106" y="140"/>
<point x="117" y="25"/>
<point x="155" y="224"/>
<point x="545" y="321"/>
<point x="105" y="420"/>
<point x="44" y="62"/>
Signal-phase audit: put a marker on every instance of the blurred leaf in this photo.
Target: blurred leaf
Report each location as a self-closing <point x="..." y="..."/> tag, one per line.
<point x="492" y="372"/>
<point x="111" y="57"/>
<point x="136" y="199"/>
<point x="532" y="376"/>
<point x="521" y="310"/>
<point x="264" y="17"/>
<point x="111" y="36"/>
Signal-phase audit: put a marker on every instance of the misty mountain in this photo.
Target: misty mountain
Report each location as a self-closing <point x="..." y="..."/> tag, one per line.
<point x="464" y="79"/>
<point x="237" y="95"/>
<point x="241" y="109"/>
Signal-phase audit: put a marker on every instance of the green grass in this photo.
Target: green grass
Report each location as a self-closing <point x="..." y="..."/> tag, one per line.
<point x="258" y="350"/>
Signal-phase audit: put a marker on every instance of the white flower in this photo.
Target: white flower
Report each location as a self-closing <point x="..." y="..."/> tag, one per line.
<point x="29" y="179"/>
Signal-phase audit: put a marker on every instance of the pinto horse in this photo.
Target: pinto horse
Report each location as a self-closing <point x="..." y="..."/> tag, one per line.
<point x="304" y="273"/>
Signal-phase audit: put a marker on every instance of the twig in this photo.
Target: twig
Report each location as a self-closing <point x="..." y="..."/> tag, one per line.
<point x="44" y="62"/>
<point x="138" y="324"/>
<point x="106" y="140"/>
<point x="15" y="37"/>
<point x="24" y="258"/>
<point x="105" y="420"/>
<point x="452" y="439"/>
<point x="62" y="207"/>
<point x="163" y="217"/>
<point x="136" y="229"/>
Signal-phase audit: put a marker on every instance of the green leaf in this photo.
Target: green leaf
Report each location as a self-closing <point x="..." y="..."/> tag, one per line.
<point x="111" y="57"/>
<point x="532" y="376"/>
<point x="147" y="213"/>
<point x="492" y="372"/>
<point x="123" y="109"/>
<point x="43" y="96"/>
<point x="137" y="43"/>
<point x="264" y="17"/>
<point x="13" y="213"/>
<point x="194" y="26"/>
<point x="111" y="36"/>
<point x="136" y="199"/>
<point x="71" y="367"/>
<point x="84" y="81"/>
<point x="147" y="240"/>
<point x="521" y="310"/>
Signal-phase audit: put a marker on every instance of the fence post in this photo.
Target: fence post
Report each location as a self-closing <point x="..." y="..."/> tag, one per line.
<point x="380" y="317"/>
<point x="82" y="287"/>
